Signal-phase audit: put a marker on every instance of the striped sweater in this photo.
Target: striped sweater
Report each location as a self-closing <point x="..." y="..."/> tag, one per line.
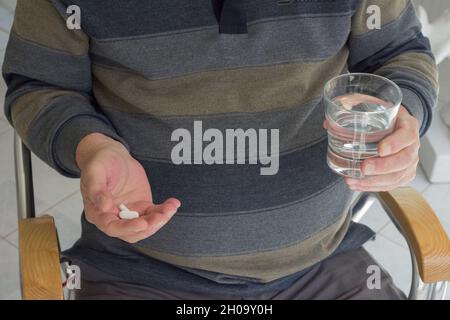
<point x="138" y="70"/>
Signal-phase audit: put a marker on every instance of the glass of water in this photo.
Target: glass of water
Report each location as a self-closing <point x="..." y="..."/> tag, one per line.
<point x="361" y="110"/>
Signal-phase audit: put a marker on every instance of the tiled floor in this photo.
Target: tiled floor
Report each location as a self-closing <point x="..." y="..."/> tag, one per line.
<point x="59" y="197"/>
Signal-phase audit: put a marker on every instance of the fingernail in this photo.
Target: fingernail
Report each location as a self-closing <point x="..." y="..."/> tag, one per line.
<point x="369" y="168"/>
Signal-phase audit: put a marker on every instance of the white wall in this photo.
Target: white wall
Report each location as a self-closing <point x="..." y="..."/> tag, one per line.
<point x="8" y="4"/>
<point x="434" y="9"/>
<point x="6" y="18"/>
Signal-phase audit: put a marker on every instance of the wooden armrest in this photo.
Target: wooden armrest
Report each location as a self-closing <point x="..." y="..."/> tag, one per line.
<point x="39" y="260"/>
<point x="423" y="231"/>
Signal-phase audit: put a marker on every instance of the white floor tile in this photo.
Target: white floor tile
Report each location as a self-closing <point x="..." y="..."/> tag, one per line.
<point x="420" y="183"/>
<point x="71" y="207"/>
<point x="375" y="218"/>
<point x="8" y="207"/>
<point x="9" y="270"/>
<point x="67" y="218"/>
<point x="68" y="232"/>
<point x="394" y="258"/>
<point x="50" y="187"/>
<point x="15" y="295"/>
<point x="13" y="238"/>
<point x="390" y="231"/>
<point x="438" y="197"/>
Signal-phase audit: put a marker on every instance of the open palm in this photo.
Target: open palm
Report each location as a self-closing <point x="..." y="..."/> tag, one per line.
<point x="111" y="177"/>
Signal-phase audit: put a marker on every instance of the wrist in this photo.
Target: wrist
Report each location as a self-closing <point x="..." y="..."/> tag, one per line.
<point x="92" y="144"/>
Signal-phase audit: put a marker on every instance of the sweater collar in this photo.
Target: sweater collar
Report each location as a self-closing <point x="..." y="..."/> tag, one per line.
<point x="231" y="16"/>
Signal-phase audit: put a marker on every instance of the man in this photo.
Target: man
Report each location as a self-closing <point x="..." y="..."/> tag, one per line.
<point x="103" y="103"/>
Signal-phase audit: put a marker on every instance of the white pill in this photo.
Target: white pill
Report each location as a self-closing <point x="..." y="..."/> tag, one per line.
<point x="123" y="207"/>
<point x="128" y="215"/>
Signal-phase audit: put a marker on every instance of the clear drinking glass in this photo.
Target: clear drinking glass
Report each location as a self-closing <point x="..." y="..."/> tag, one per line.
<point x="361" y="110"/>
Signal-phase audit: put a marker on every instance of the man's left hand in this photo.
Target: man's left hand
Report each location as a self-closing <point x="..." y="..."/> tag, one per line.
<point x="398" y="158"/>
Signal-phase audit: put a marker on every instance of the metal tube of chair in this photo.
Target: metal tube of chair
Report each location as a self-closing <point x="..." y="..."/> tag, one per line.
<point x="24" y="179"/>
<point x="362" y="204"/>
<point x="424" y="291"/>
<point x="418" y="290"/>
<point x="439" y="291"/>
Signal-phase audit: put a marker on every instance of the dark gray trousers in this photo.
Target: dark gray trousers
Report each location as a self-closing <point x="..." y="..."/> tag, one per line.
<point x="342" y="277"/>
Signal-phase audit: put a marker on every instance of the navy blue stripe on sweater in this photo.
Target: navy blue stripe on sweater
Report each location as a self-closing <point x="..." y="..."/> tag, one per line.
<point x="158" y="16"/>
<point x="405" y="37"/>
<point x="228" y="189"/>
<point x="231" y="16"/>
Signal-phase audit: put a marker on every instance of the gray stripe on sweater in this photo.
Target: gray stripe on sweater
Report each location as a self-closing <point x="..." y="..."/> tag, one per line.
<point x="222" y="235"/>
<point x="58" y="68"/>
<point x="165" y="56"/>
<point x="299" y="127"/>
<point x="418" y="103"/>
<point x="399" y="31"/>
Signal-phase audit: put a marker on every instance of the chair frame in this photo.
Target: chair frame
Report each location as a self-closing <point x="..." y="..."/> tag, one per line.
<point x="420" y="290"/>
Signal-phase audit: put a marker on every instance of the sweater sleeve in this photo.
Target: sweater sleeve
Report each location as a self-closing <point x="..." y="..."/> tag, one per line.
<point x="398" y="51"/>
<point x="48" y="74"/>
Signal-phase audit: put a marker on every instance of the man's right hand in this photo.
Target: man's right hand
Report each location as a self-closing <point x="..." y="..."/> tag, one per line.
<point x="111" y="176"/>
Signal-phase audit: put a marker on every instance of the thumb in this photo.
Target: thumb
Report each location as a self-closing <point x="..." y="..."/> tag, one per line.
<point x="95" y="182"/>
<point x="158" y="215"/>
<point x="103" y="201"/>
<point x="168" y="207"/>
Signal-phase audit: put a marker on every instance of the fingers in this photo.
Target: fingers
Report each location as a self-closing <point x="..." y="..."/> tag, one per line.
<point x="406" y="133"/>
<point x="152" y="219"/>
<point x="391" y="164"/>
<point x="397" y="141"/>
<point x="381" y="181"/>
<point x="94" y="185"/>
<point x="398" y="158"/>
<point x="139" y="206"/>
<point x="167" y="207"/>
<point x="379" y="184"/>
<point x="118" y="228"/>
<point x="110" y="223"/>
<point x="157" y="216"/>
